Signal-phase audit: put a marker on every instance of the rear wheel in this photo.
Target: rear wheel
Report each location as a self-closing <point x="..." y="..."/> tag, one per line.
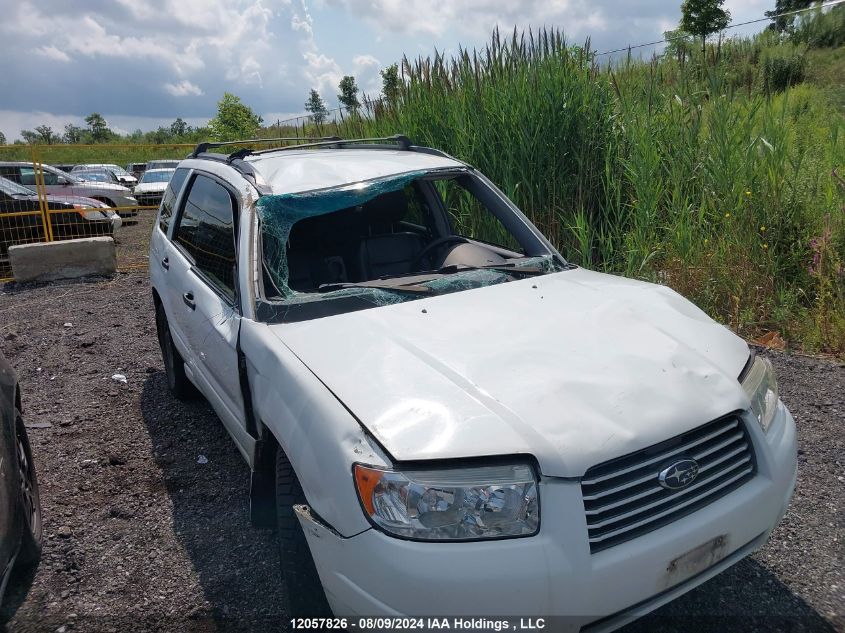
<point x="303" y="588"/>
<point x="30" y="499"/>
<point x="177" y="381"/>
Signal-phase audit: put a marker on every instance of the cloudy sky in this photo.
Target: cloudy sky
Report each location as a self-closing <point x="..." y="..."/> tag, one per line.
<point x="142" y="63"/>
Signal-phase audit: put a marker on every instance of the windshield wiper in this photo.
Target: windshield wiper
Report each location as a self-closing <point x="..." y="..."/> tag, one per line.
<point x="504" y="268"/>
<point x="411" y="288"/>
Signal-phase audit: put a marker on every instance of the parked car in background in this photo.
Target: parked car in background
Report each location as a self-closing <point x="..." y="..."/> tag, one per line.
<point x="68" y="167"/>
<point x="122" y="176"/>
<point x="20" y="503"/>
<point x="444" y="417"/>
<point x="136" y="169"/>
<point x="164" y="163"/>
<point x="70" y="217"/>
<point x="150" y="190"/>
<point x="62" y="183"/>
<point x="95" y="174"/>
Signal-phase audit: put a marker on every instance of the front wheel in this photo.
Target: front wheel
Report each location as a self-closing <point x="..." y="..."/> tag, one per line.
<point x="303" y="589"/>
<point x="30" y="499"/>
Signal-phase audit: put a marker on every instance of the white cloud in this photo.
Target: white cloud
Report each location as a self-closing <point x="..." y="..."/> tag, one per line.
<point x="299" y="24"/>
<point x="51" y="52"/>
<point x="323" y="74"/>
<point x="366" y="68"/>
<point x="183" y="89"/>
<point x="476" y="18"/>
<point x="171" y="48"/>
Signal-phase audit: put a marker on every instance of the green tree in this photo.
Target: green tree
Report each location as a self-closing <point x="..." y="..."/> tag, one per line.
<point x="73" y="133"/>
<point x="784" y="22"/>
<point x="316" y="107"/>
<point x="46" y="134"/>
<point x="179" y="127"/>
<point x="348" y="96"/>
<point x="235" y="120"/>
<point x="390" y="84"/>
<point x="678" y="43"/>
<point x="29" y="137"/>
<point x="2" y="139"/>
<point x="703" y="17"/>
<point x="98" y="126"/>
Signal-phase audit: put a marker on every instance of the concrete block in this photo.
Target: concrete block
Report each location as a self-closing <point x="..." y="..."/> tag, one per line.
<point x="65" y="259"/>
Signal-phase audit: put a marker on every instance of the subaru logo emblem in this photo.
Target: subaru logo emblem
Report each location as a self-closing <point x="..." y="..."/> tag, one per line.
<point x="679" y="474"/>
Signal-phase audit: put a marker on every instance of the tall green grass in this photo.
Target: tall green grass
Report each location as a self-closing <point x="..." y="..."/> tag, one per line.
<point x="711" y="174"/>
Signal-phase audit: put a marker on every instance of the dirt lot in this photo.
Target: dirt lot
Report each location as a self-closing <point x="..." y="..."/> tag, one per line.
<point x="141" y="533"/>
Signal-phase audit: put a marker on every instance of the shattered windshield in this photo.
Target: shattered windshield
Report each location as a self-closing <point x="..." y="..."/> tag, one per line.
<point x="390" y="240"/>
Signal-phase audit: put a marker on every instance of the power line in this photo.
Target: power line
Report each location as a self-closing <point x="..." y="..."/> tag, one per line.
<point x="768" y="18"/>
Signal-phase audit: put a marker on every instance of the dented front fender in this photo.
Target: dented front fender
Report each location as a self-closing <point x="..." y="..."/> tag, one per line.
<point x="318" y="434"/>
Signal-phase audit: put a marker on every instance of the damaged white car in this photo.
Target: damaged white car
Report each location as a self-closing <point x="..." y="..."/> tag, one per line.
<point x="444" y="417"/>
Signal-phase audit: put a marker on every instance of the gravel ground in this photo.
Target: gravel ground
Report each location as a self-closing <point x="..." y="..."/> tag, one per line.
<point x="142" y="533"/>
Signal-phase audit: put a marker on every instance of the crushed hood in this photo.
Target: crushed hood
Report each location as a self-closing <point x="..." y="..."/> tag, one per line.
<point x="573" y="368"/>
<point x="100" y="186"/>
<point x="151" y="187"/>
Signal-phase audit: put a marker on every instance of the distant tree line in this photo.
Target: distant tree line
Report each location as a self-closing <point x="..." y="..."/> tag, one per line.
<point x="234" y="119"/>
<point x="97" y="131"/>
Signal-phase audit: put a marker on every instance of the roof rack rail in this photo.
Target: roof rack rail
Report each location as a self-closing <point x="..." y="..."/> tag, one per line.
<point x="201" y="148"/>
<point x="397" y="141"/>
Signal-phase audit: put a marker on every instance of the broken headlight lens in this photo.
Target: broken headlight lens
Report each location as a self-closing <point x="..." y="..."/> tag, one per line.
<point x="486" y="502"/>
<point x="762" y="389"/>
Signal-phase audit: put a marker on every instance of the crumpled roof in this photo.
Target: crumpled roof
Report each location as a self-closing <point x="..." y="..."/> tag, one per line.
<point x="296" y="171"/>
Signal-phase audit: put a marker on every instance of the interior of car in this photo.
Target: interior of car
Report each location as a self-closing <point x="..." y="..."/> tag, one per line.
<point x="396" y="233"/>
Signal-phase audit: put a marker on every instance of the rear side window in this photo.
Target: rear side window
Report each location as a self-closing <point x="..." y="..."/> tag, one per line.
<point x="28" y="177"/>
<point x="206" y="232"/>
<point x="165" y="212"/>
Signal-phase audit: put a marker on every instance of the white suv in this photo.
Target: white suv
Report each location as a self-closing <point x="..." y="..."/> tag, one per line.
<point x="442" y="416"/>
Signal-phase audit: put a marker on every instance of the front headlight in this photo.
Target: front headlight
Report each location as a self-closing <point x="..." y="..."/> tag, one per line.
<point x="762" y="389"/>
<point x="88" y="212"/>
<point x="462" y="504"/>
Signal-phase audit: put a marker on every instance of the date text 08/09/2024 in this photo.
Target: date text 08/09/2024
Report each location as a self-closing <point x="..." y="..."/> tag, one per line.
<point x="419" y="624"/>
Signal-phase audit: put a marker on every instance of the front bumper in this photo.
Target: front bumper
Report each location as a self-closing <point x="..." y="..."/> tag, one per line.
<point x="126" y="206"/>
<point x="553" y="573"/>
<point x="149" y="199"/>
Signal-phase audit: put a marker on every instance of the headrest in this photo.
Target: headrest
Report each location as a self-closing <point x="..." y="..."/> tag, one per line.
<point x="388" y="208"/>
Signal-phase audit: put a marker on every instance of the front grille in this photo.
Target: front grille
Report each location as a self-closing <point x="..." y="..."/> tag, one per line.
<point x="148" y="199"/>
<point x="623" y="499"/>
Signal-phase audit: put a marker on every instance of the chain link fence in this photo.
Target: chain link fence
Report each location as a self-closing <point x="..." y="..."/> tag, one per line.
<point x="59" y="192"/>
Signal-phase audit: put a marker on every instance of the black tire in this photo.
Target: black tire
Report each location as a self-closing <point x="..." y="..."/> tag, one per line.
<point x="30" y="550"/>
<point x="178" y="383"/>
<point x="303" y="589"/>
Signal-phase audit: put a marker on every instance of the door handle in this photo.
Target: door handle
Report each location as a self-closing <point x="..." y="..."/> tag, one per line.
<point x="165" y="263"/>
<point x="188" y="298"/>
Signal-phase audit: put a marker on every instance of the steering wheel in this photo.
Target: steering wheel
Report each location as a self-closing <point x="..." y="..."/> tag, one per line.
<point x="438" y="243"/>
